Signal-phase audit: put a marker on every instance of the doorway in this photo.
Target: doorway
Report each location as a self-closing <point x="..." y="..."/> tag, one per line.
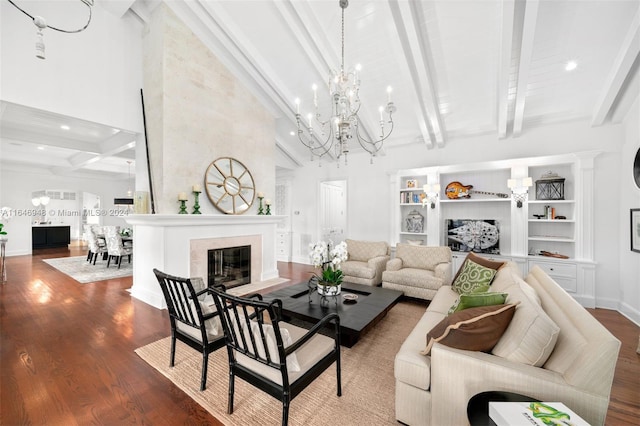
<point x="333" y="210"/>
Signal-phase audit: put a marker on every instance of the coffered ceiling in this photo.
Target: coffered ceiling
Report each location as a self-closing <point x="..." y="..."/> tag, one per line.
<point x="457" y="68"/>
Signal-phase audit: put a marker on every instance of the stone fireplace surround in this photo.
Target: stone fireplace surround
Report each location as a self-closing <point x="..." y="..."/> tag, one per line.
<point x="177" y="244"/>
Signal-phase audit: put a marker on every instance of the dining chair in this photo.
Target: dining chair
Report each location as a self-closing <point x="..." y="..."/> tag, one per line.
<point x="270" y="354"/>
<point x="193" y="322"/>
<point x="115" y="248"/>
<point x="97" y="246"/>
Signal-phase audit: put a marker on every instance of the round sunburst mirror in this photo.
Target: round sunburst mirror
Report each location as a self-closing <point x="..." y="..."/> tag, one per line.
<point x="229" y="185"/>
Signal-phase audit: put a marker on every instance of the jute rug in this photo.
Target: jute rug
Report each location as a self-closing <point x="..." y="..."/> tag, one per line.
<point x="254" y="287"/>
<point x="368" y="385"/>
<point x="84" y="272"/>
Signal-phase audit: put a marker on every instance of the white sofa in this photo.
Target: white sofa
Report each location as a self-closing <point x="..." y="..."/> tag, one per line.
<point x="418" y="271"/>
<point x="435" y="389"/>
<point x="366" y="262"/>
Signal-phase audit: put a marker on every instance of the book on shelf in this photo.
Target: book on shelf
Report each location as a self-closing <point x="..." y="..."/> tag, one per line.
<point x="533" y="413"/>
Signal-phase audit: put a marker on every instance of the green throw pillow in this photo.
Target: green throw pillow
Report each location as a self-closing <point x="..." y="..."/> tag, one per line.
<point x="473" y="278"/>
<point x="476" y="290"/>
<point x="473" y="300"/>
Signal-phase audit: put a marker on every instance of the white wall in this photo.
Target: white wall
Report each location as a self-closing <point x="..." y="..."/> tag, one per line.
<point x="17" y="185"/>
<point x="629" y="195"/>
<point x="95" y="75"/>
<point x="369" y="190"/>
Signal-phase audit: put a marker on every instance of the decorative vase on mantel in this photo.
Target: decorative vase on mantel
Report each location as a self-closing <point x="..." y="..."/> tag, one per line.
<point x="328" y="289"/>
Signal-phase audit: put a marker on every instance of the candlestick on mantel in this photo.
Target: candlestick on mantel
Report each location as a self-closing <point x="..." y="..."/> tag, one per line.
<point x="196" y="204"/>
<point x="268" y="204"/>
<point x="182" y="196"/>
<point x="260" y="209"/>
<point x="196" y="188"/>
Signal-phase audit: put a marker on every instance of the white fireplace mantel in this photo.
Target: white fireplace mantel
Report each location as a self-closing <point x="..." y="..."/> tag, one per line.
<point x="163" y="241"/>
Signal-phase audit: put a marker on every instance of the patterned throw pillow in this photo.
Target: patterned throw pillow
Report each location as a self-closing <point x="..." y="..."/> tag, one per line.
<point x="473" y="278"/>
<point x="480" y="261"/>
<point x="474" y="329"/>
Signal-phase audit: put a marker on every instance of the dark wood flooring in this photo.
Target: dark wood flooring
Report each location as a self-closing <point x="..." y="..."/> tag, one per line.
<point x="66" y="353"/>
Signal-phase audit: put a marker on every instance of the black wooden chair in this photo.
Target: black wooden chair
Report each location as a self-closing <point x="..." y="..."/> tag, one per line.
<point x="272" y="355"/>
<point x="192" y="321"/>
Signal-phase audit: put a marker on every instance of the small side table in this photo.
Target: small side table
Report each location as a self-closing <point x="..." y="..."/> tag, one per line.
<point x="478" y="406"/>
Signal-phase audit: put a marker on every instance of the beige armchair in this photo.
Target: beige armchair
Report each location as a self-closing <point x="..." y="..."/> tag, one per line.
<point x="366" y="262"/>
<point x="418" y="271"/>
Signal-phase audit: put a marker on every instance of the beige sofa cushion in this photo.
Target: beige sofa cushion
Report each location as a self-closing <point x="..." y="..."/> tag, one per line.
<point x="357" y="268"/>
<point x="413" y="277"/>
<point x="365" y="250"/>
<point x="422" y="257"/>
<point x="532" y="335"/>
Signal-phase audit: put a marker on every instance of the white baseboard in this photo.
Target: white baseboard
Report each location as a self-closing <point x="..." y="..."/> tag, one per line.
<point x="630" y="312"/>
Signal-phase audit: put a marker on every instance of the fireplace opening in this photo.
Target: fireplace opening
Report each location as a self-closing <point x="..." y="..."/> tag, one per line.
<point x="229" y="266"/>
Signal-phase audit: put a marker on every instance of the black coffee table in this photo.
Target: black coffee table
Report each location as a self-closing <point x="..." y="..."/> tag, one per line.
<point x="372" y="304"/>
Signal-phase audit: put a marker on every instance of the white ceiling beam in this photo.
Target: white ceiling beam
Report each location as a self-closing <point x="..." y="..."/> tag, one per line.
<point x="504" y="68"/>
<point x="408" y="20"/>
<point x="524" y="67"/>
<point x="619" y="71"/>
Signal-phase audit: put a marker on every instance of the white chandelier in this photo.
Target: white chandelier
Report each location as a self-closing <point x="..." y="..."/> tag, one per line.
<point x="41" y="24"/>
<point x="332" y="134"/>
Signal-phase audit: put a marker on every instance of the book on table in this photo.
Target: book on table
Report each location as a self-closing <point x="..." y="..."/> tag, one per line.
<point x="533" y="413"/>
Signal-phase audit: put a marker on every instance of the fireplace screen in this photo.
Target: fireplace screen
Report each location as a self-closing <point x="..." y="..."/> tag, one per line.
<point x="229" y="266"/>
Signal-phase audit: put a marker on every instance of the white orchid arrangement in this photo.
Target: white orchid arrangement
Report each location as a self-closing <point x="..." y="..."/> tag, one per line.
<point x="324" y="255"/>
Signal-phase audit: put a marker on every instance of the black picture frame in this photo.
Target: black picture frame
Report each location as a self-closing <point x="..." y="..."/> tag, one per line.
<point x="634" y="230"/>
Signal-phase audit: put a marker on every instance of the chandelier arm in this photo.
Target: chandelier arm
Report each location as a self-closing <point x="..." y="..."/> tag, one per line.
<point x="55" y="28"/>
<point x="323" y="147"/>
<point x="362" y="140"/>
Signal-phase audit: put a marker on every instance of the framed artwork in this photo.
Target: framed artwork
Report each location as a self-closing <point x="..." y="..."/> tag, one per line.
<point x="635" y="230"/>
<point x="479" y="236"/>
<point x="412" y="183"/>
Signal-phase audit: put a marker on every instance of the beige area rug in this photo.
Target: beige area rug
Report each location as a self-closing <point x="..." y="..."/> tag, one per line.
<point x="368" y="385"/>
<point x="84" y="272"/>
<point x="254" y="287"/>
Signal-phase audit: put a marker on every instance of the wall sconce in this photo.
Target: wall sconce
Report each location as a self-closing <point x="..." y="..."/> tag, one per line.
<point x="37" y="201"/>
<point x="519" y="189"/>
<point x="432" y="191"/>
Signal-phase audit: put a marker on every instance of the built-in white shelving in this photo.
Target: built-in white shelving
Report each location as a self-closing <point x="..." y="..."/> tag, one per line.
<point x="523" y="236"/>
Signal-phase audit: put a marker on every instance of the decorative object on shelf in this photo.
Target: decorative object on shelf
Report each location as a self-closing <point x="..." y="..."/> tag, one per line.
<point x="456" y="191"/>
<point x="550" y="187"/>
<point x="556" y="255"/>
<point x="229" y="185"/>
<point x="329" y="258"/>
<point x="268" y="204"/>
<point x="431" y="192"/>
<point x="415" y="242"/>
<point x="182" y="199"/>
<point x="334" y="132"/>
<point x="412" y="183"/>
<point x="479" y="236"/>
<point x="41" y="23"/>
<point x="635" y="230"/>
<point x="197" y="189"/>
<point x="415" y="222"/>
<point x="519" y="189"/>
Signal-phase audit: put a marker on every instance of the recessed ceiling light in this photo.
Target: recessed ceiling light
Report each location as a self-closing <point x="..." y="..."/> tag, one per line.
<point x="292" y="133"/>
<point x="571" y="65"/>
<point x="65" y="127"/>
<point x="41" y="148"/>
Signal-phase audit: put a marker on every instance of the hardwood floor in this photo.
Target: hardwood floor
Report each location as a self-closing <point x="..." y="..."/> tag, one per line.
<point x="66" y="352"/>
